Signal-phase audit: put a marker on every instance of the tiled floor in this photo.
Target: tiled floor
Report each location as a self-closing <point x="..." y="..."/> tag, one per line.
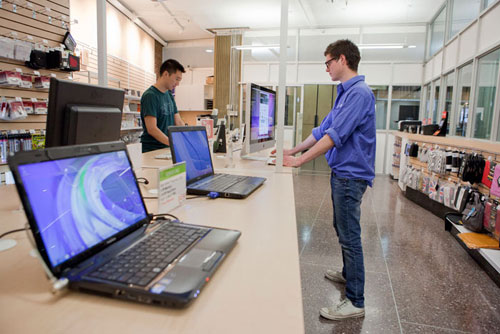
<point x="418" y="278"/>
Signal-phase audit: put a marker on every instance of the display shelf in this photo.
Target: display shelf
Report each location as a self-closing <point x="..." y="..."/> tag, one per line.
<point x="488" y="259"/>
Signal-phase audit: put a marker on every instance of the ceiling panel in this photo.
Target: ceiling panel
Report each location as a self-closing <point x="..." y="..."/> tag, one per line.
<point x="191" y="18"/>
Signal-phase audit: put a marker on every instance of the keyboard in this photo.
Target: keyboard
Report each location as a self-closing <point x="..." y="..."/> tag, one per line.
<point x="140" y="264"/>
<point x="220" y="182"/>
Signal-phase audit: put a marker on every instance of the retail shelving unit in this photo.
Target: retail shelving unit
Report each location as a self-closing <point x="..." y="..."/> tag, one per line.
<point x="488" y="259"/>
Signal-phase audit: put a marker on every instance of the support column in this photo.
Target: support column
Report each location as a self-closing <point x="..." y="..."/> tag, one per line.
<point x="102" y="51"/>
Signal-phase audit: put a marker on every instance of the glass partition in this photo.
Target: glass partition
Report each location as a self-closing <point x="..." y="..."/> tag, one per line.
<point x="462" y="106"/>
<point x="381" y="98"/>
<point x="405" y="104"/>
<point x="486" y="86"/>
<point x="463" y="12"/>
<point x="449" y="81"/>
<point x="437" y="32"/>
<point x="436" y="115"/>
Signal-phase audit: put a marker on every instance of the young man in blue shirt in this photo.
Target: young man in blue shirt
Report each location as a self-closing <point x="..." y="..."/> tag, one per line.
<point x="347" y="137"/>
<point x="158" y="108"/>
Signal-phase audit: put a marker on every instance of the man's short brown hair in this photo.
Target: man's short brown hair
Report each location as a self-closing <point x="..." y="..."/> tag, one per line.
<point x="348" y="49"/>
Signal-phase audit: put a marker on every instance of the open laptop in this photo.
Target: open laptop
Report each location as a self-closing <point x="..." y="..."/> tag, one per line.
<point x="91" y="227"/>
<point x="190" y="144"/>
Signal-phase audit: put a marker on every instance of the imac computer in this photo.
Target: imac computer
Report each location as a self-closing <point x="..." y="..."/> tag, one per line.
<point x="82" y="113"/>
<point x="260" y="120"/>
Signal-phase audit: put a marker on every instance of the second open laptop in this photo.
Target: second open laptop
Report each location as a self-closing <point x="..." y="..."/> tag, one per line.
<point x="92" y="229"/>
<point x="190" y="144"/>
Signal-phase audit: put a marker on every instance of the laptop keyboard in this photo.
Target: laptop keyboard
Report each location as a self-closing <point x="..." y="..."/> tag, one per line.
<point x="143" y="262"/>
<point x="221" y="182"/>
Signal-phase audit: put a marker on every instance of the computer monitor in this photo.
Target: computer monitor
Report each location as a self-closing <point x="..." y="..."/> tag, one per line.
<point x="260" y="119"/>
<point x="82" y="114"/>
<point x="408" y="112"/>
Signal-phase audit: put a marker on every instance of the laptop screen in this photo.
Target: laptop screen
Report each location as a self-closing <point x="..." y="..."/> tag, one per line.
<point x="192" y="147"/>
<point x="80" y="202"/>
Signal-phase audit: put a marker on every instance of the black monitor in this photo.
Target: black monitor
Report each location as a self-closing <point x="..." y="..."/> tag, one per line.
<point x="408" y="113"/>
<point x="82" y="114"/>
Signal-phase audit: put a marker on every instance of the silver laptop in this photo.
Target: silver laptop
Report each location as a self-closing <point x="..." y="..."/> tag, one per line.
<point x="190" y="144"/>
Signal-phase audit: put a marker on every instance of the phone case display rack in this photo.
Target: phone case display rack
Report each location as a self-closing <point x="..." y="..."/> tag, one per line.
<point x="488" y="259"/>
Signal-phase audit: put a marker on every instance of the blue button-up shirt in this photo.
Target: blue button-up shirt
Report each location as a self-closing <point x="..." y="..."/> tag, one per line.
<point x="351" y="125"/>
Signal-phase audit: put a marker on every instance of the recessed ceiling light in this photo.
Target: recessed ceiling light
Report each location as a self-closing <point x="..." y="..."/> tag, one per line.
<point x="209" y="50"/>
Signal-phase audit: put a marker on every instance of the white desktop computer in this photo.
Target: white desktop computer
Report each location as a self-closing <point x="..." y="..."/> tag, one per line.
<point x="260" y="121"/>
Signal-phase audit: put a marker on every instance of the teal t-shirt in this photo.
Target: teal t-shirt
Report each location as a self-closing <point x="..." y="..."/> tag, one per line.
<point x="162" y="106"/>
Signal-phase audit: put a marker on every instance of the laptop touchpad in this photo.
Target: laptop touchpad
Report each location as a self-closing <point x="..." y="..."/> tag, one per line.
<point x="199" y="258"/>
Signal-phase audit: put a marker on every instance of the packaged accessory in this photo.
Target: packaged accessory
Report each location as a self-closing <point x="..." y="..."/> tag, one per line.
<point x="42" y="82"/>
<point x="462" y="197"/>
<point x="22" y="50"/>
<point x="69" y="41"/>
<point x="16" y="110"/>
<point x="10" y="78"/>
<point x="496" y="212"/>
<point x="7" y="47"/>
<point x="487" y="216"/>
<point x="54" y="59"/>
<point x="491" y="173"/>
<point x="26" y="81"/>
<point x="38" y="59"/>
<point x="495" y="184"/>
<point x="472" y="216"/>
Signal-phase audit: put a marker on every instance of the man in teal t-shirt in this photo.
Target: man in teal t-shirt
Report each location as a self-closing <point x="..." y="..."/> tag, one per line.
<point x="158" y="108"/>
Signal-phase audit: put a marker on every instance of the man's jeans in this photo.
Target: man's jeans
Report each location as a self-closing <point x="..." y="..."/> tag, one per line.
<point x="346" y="198"/>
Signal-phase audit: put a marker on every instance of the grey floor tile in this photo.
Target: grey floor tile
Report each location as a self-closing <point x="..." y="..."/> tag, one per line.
<point x="436" y="286"/>
<point x="317" y="292"/>
<point x="411" y="328"/>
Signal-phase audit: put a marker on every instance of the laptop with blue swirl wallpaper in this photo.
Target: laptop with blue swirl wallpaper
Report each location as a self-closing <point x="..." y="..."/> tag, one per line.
<point x="92" y="229"/>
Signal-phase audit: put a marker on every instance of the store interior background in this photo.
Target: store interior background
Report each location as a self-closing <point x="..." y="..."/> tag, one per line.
<point x="448" y="44"/>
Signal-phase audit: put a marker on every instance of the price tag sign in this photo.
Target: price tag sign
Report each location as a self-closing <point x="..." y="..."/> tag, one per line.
<point x="34" y="99"/>
<point x="53" y="75"/>
<point x="171" y="187"/>
<point x="18" y="99"/>
<point x="19" y="70"/>
<point x="36" y="73"/>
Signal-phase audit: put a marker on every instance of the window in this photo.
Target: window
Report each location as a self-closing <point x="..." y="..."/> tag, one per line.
<point x="427" y="110"/>
<point x="449" y="80"/>
<point x="381" y="96"/>
<point x="462" y="108"/>
<point x="435" y="105"/>
<point x="437" y="32"/>
<point x="463" y="12"/>
<point x="486" y="86"/>
<point x="487" y="3"/>
<point x="405" y="104"/>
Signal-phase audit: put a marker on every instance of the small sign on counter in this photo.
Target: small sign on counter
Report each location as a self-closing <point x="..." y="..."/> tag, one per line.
<point x="171" y="187"/>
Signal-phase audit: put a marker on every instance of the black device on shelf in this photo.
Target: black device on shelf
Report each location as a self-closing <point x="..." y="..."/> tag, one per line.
<point x="69" y="42"/>
<point x="81" y="114"/>
<point x="407" y="113"/>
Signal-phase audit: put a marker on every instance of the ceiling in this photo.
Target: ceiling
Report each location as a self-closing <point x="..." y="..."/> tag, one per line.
<point x="191" y="19"/>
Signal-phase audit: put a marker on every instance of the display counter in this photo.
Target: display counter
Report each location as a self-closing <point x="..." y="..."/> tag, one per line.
<point x="256" y="290"/>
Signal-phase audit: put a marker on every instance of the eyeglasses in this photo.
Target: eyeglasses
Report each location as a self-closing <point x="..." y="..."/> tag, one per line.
<point x="327" y="63"/>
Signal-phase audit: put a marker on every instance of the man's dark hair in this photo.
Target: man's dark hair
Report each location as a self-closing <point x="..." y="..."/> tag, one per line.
<point x="171" y="66"/>
<point x="348" y="49"/>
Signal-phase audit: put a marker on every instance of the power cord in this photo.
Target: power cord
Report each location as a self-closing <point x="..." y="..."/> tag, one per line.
<point x="142" y="180"/>
<point x="14" y="231"/>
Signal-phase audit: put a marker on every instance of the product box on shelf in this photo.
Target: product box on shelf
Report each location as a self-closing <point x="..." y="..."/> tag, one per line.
<point x="28" y="106"/>
<point x="42" y="82"/>
<point x="40" y="107"/>
<point x="26" y="81"/>
<point x="10" y="78"/>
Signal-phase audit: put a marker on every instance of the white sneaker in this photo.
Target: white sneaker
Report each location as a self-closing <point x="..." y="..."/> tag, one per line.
<point x="342" y="310"/>
<point x="335" y="276"/>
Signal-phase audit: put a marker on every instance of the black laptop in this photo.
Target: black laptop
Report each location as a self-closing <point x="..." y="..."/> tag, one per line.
<point x="190" y="144"/>
<point x="91" y="227"/>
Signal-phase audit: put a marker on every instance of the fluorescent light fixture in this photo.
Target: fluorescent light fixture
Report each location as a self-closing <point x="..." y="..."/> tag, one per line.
<point x="256" y="47"/>
<point x="385" y="46"/>
<point x="209" y="51"/>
